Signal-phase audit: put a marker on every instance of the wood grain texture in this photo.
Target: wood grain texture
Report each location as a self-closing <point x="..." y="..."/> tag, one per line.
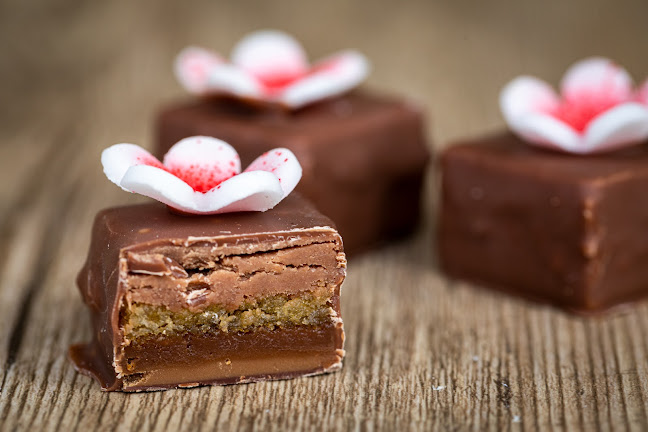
<point x="424" y="352"/>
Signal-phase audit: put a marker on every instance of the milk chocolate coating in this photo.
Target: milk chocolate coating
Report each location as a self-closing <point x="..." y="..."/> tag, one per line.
<point x="122" y="235"/>
<point x="564" y="229"/>
<point x="363" y="155"/>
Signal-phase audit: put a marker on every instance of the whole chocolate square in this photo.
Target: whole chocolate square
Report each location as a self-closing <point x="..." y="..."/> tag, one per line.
<point x="363" y="156"/>
<point x="565" y="229"/>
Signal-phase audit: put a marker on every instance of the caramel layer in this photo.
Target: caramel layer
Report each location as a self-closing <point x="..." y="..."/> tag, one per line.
<point x="227" y="358"/>
<point x="237" y="370"/>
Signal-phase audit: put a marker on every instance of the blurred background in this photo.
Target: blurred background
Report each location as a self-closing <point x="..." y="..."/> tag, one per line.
<point x="96" y="72"/>
<point x="453" y="56"/>
<point x="91" y="74"/>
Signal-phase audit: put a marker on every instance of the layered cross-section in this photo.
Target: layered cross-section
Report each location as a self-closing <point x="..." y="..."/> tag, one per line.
<point x="179" y="301"/>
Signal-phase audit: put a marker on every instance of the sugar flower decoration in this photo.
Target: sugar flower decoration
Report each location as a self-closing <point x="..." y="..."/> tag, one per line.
<point x="270" y="66"/>
<point x="597" y="109"/>
<point x="202" y="175"/>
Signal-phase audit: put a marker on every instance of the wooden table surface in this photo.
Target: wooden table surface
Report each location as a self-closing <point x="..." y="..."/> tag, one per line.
<point x="423" y="351"/>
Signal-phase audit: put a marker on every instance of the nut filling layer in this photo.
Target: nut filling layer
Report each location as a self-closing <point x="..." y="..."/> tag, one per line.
<point x="145" y="321"/>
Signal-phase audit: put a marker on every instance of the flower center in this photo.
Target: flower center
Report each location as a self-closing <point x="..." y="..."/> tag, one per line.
<point x="201" y="178"/>
<point x="579" y="113"/>
<point x="583" y="104"/>
<point x="274" y="83"/>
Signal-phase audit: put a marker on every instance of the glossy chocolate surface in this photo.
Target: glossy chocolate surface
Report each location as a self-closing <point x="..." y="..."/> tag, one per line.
<point x="364" y="156"/>
<point x="123" y="235"/>
<point x="564" y="229"/>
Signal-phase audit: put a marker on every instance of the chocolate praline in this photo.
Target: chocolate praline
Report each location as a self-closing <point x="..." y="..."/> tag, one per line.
<point x="180" y="301"/>
<point x="553" y="227"/>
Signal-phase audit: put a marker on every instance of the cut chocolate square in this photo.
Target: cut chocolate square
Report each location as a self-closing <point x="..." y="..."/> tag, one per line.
<point x="364" y="156"/>
<point x="180" y="301"/>
<point x="559" y="228"/>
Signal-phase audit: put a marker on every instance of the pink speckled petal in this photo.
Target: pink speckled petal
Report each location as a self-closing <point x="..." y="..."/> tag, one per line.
<point x="622" y="125"/>
<point x="193" y="67"/>
<point x="597" y="80"/>
<point x="270" y="53"/>
<point x="202" y="162"/>
<point x="282" y="163"/>
<point x="330" y="77"/>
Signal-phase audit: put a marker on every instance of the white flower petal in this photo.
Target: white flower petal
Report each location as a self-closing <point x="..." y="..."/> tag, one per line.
<point x="270" y="53"/>
<point x="203" y="159"/>
<point x="617" y="127"/>
<point x="283" y="164"/>
<point x="162" y="186"/>
<point x="596" y="77"/>
<point x="331" y="77"/>
<point x="248" y="191"/>
<point x="230" y="79"/>
<point x="193" y="67"/>
<point x="117" y="159"/>
<point x="525" y="95"/>
<point x="546" y="131"/>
